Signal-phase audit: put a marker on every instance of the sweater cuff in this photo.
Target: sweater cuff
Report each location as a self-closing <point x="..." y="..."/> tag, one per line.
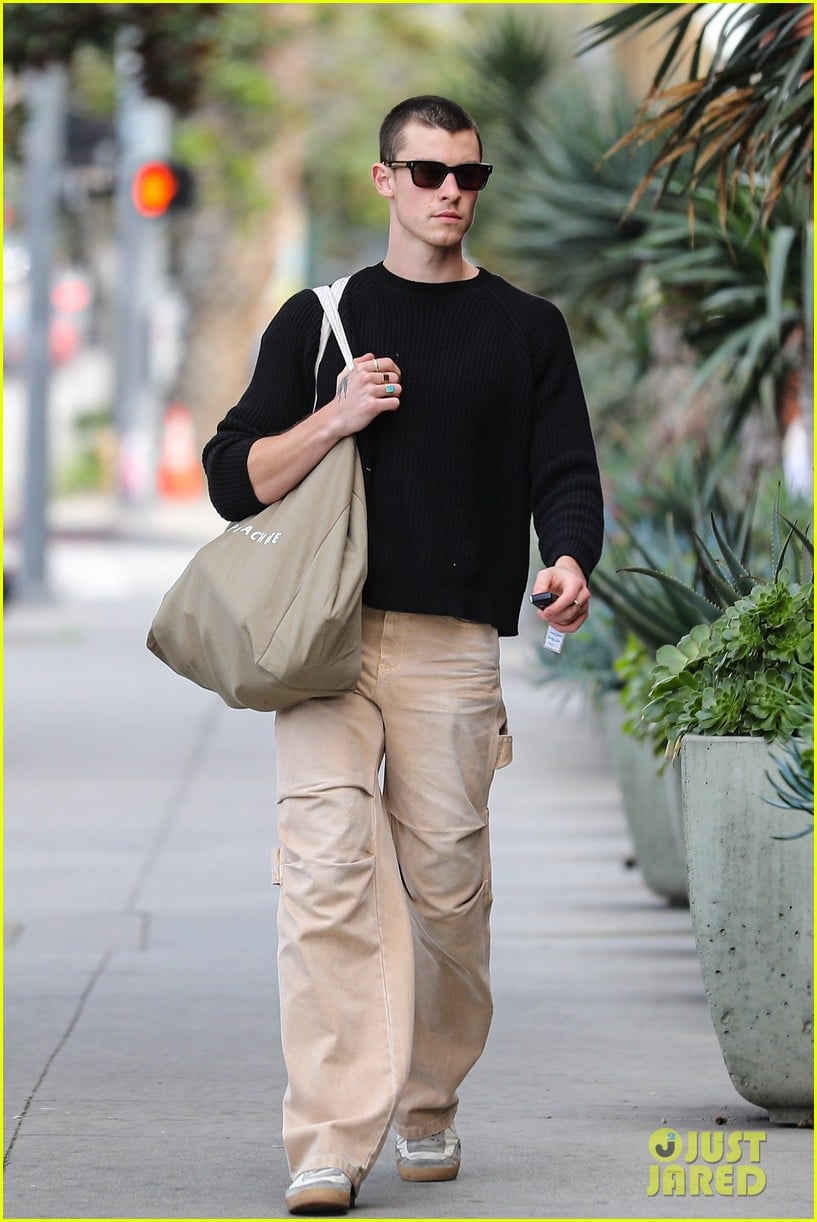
<point x="231" y="491"/>
<point x="587" y="558"/>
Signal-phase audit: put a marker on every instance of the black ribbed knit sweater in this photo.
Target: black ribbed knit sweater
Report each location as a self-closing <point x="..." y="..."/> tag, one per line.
<point x="492" y="427"/>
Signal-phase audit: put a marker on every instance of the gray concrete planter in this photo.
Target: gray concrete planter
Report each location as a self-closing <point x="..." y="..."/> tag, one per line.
<point x="751" y="904"/>
<point x="652" y="805"/>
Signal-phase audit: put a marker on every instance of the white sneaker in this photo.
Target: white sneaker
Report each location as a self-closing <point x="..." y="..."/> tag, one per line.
<point x="325" y="1191"/>
<point x="436" y="1157"/>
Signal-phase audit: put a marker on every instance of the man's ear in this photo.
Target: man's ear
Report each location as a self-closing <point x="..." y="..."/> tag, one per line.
<point x="383" y="180"/>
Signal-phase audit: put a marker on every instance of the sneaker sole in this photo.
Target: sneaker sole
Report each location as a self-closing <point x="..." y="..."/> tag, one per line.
<point x="418" y="1174"/>
<point x="315" y="1201"/>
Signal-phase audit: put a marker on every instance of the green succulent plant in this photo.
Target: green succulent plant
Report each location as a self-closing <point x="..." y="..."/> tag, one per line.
<point x="633" y="669"/>
<point x="749" y="672"/>
<point x="697" y="578"/>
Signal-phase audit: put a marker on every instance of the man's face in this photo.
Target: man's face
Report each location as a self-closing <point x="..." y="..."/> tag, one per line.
<point x="437" y="217"/>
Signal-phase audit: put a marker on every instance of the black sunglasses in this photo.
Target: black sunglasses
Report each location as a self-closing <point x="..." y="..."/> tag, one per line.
<point x="472" y="176"/>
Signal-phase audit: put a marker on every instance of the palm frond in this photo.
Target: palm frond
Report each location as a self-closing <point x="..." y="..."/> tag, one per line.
<point x="751" y="112"/>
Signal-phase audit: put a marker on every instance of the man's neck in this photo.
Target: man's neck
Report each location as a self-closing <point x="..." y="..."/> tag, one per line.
<point x="434" y="267"/>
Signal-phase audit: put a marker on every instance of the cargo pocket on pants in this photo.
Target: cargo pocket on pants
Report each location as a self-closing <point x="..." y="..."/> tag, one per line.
<point x="504" y="749"/>
<point x="328" y="895"/>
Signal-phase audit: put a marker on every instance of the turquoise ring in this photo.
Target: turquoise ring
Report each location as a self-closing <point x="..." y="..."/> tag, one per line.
<point x="389" y="389"/>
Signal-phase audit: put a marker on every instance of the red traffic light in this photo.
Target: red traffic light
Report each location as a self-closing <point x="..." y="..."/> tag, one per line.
<point x="154" y="187"/>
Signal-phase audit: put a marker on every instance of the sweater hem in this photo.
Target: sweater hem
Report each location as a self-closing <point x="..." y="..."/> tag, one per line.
<point x="419" y="594"/>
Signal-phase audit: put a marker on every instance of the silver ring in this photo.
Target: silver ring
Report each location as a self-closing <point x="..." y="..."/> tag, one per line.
<point x="576" y="603"/>
<point x="376" y="365"/>
<point x="389" y="390"/>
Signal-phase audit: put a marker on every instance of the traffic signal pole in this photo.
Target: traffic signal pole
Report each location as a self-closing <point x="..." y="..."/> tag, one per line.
<point x="144" y="132"/>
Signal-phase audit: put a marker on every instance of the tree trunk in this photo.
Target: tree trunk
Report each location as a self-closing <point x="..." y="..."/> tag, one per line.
<point x="236" y="267"/>
<point x="231" y="300"/>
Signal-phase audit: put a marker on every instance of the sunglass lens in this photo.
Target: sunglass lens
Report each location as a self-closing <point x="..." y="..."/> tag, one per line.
<point x="428" y="174"/>
<point x="471" y="177"/>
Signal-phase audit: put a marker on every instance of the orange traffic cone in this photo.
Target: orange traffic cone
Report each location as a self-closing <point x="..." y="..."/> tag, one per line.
<point x="179" y="474"/>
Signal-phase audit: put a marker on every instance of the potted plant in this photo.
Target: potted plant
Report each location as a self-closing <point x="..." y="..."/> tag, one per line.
<point x="699" y="587"/>
<point x="611" y="671"/>
<point x="651" y="794"/>
<point x="730" y="697"/>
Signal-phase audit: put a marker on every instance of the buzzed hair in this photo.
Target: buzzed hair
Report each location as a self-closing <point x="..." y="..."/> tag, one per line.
<point x="428" y="109"/>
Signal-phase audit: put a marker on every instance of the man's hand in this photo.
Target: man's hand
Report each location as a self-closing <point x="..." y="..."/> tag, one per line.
<point x="277" y="463"/>
<point x="370" y="387"/>
<point x="572" y="606"/>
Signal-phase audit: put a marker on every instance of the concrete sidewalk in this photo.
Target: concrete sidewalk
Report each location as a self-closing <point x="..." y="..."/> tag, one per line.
<point x="143" y="1067"/>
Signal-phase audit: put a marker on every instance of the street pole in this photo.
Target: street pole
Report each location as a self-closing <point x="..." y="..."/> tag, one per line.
<point x="144" y="132"/>
<point x="44" y="141"/>
<point x="129" y="348"/>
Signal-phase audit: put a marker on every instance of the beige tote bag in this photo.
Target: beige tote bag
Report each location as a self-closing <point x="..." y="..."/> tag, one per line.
<point x="269" y="613"/>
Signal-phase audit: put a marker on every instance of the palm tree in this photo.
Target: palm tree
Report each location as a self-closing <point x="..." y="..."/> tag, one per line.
<point x="747" y="114"/>
<point x="747" y="118"/>
<point x="735" y="293"/>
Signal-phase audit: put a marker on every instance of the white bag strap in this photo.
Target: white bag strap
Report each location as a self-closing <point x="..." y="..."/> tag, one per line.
<point x="329" y="296"/>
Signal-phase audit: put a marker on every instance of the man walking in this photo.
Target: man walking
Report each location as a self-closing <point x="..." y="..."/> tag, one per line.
<point x="469" y="414"/>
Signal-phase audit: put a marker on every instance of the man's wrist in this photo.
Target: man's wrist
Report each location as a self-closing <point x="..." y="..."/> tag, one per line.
<point x="328" y="425"/>
<point x="567" y="562"/>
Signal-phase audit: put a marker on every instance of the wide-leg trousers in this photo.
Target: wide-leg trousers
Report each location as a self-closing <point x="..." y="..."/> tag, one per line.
<point x="385" y="877"/>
